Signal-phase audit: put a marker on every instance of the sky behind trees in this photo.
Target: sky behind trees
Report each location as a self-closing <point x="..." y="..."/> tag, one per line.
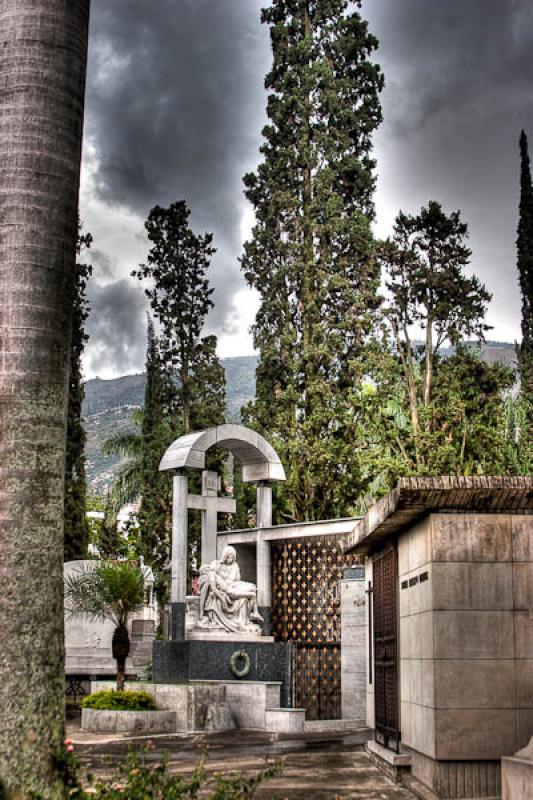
<point x="175" y="107"/>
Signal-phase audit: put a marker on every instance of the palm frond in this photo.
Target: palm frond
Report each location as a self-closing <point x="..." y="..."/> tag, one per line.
<point x="126" y="487"/>
<point x="128" y="444"/>
<point x="84" y="595"/>
<point x="105" y="591"/>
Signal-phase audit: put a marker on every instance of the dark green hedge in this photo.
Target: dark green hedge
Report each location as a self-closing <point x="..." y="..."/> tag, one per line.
<point x="112" y="700"/>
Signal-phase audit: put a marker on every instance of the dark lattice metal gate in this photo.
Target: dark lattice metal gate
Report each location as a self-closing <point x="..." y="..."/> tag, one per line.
<point x="306" y="611"/>
<point x="385" y="647"/>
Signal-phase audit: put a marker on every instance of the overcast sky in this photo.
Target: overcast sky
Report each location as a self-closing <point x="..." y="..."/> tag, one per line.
<point x="175" y="107"/>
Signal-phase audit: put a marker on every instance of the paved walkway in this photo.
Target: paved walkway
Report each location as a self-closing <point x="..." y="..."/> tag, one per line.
<point x="321" y="766"/>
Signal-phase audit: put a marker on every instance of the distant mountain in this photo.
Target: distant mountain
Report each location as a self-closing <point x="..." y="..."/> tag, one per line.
<point x="101" y="395"/>
<point x="109" y="405"/>
<point x="504" y="352"/>
<point x="491" y="352"/>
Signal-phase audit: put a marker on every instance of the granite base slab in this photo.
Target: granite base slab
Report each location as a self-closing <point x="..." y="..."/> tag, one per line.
<point x="206" y="635"/>
<point x="184" y="661"/>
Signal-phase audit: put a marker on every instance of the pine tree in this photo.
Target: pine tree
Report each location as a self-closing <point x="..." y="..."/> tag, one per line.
<point x="156" y="433"/>
<point x="75" y="521"/>
<point x="424" y="268"/>
<point x="180" y="298"/>
<point x="311" y="253"/>
<point x="525" y="276"/>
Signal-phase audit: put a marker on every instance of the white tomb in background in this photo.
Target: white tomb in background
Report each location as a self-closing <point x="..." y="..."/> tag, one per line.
<point x="88" y="641"/>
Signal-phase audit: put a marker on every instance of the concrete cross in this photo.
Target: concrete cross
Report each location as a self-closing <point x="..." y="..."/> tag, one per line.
<point x="210" y="505"/>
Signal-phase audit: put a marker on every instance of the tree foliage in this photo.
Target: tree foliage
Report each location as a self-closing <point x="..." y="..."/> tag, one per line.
<point x="76" y="530"/>
<point x="155" y="487"/>
<point x="518" y="435"/>
<point x="180" y="297"/>
<point x="187" y="391"/>
<point x="463" y="431"/>
<point x="525" y="276"/>
<point x="125" y="489"/>
<point x="311" y="252"/>
<point x="425" y="412"/>
<point x="140" y="478"/>
<point x="424" y="265"/>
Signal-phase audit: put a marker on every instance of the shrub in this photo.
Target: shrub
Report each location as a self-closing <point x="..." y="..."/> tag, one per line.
<point x="113" y="700"/>
<point x="133" y="779"/>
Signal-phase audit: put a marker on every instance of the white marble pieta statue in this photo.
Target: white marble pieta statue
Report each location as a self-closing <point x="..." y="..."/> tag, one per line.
<point x="226" y="602"/>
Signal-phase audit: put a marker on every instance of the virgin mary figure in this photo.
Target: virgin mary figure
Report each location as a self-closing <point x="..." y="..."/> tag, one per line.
<point x="226" y="601"/>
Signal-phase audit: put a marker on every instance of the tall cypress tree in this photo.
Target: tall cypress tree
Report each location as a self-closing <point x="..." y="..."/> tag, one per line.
<point x="525" y="276"/>
<point x="311" y="253"/>
<point x="75" y="520"/>
<point x="180" y="297"/>
<point x="156" y="433"/>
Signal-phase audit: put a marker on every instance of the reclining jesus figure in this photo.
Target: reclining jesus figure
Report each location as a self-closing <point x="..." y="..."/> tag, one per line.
<point x="226" y="601"/>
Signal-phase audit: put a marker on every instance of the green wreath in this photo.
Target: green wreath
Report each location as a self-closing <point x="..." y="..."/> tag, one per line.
<point x="240" y="655"/>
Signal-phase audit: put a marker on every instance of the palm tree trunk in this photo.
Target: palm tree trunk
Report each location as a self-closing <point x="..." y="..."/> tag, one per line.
<point x="121" y="650"/>
<point x="121" y="674"/>
<point x="43" y="50"/>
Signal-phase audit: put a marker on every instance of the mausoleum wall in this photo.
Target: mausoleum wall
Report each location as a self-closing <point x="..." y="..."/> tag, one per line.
<point x="465" y="601"/>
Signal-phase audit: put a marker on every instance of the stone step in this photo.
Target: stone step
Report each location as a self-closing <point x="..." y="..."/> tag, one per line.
<point x="89" y="666"/>
<point x="334" y="725"/>
<point x="285" y="720"/>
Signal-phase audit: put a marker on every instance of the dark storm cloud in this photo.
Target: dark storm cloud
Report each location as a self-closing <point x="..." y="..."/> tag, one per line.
<point x="116" y="327"/>
<point x="174" y="110"/>
<point x="459" y="78"/>
<point x="175" y="106"/>
<point x="102" y="263"/>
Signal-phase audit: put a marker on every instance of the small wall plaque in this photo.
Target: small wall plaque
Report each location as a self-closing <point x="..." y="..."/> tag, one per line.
<point x="353" y="574"/>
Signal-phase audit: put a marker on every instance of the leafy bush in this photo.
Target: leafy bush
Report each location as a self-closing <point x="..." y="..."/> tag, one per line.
<point x="135" y="780"/>
<point x="113" y="700"/>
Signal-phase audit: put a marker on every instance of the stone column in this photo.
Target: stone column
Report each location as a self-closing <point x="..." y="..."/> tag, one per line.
<point x="210" y="488"/>
<point x="264" y="565"/>
<point x="178" y="588"/>
<point x="354" y="635"/>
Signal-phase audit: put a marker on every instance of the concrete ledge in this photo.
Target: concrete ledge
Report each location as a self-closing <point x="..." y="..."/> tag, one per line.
<point x="388" y="756"/>
<point x="95" y="720"/>
<point x="395" y="765"/>
<point x="285" y="720"/>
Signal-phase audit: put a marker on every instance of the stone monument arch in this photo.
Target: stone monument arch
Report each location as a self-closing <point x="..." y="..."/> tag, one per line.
<point x="260" y="464"/>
